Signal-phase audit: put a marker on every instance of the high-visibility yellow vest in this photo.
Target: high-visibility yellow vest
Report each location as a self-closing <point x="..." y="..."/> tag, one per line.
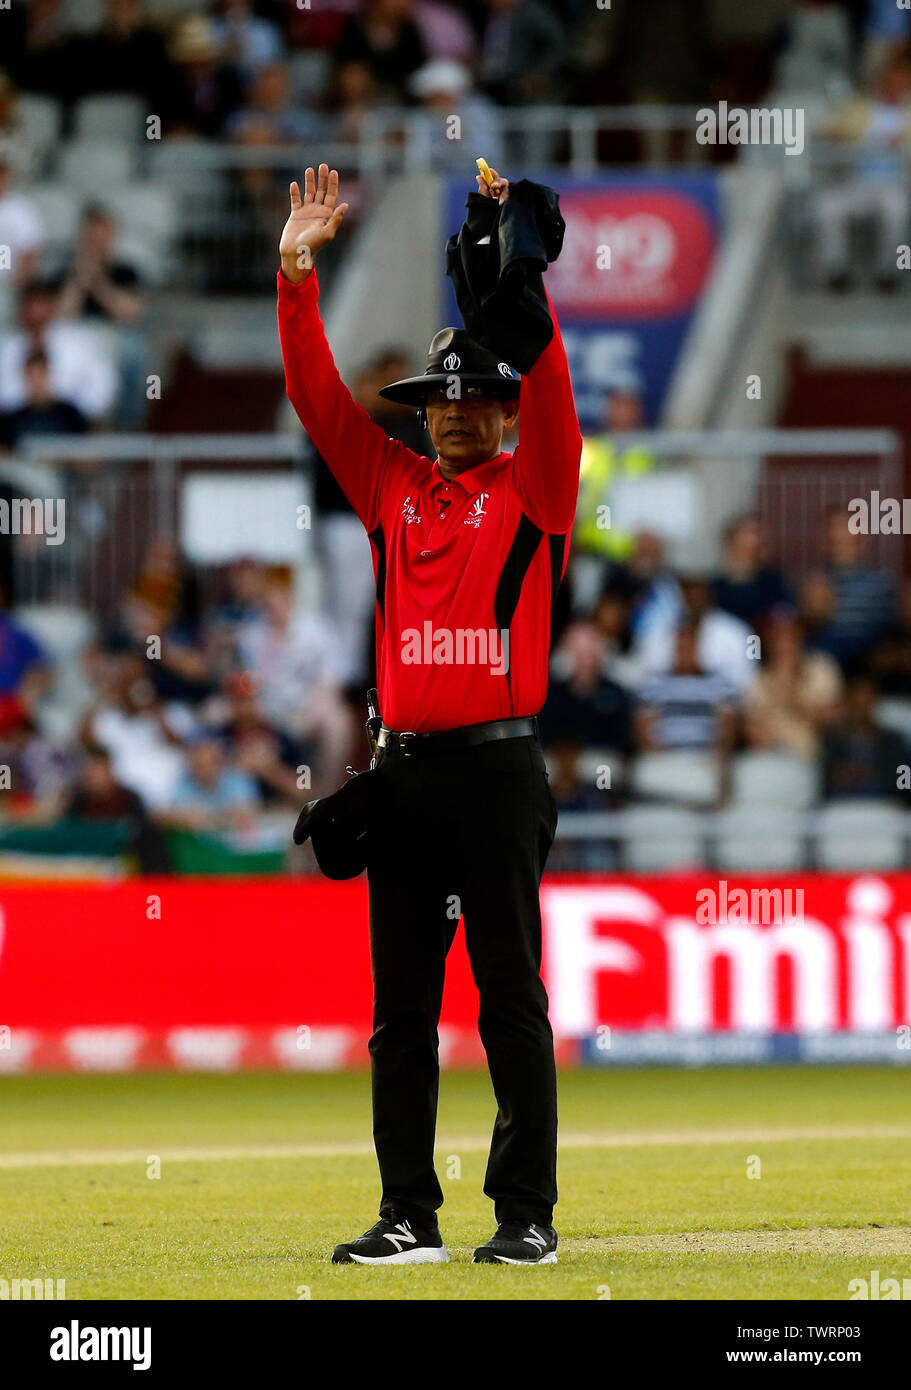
<point x="602" y="463"/>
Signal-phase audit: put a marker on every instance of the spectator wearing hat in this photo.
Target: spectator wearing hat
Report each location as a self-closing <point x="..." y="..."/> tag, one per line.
<point x="203" y="90"/>
<point x="443" y="87"/>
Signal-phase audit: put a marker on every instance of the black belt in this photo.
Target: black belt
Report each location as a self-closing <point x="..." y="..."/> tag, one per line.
<point x="469" y="736"/>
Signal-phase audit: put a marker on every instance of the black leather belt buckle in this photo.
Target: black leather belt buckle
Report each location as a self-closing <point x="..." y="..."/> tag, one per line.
<point x="470" y="736"/>
<point x="391" y="738"/>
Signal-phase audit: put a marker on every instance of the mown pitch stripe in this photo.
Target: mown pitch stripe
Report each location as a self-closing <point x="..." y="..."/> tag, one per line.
<point x="631" y="1139"/>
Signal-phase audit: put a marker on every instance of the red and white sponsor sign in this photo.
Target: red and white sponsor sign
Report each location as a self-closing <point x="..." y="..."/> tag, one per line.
<point x="276" y="973"/>
<point x="641" y="253"/>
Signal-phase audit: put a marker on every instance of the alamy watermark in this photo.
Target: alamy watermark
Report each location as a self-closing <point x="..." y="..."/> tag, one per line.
<point x="756" y="125"/>
<point x="25" y="1290"/>
<point x="879" y="516"/>
<point x="878" y="1288"/>
<point x="761" y="907"/>
<point x="456" y="646"/>
<point x="34" y="516"/>
<point x="83" y="1343"/>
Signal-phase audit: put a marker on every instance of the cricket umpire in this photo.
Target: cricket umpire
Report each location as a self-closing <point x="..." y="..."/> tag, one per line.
<point x="475" y="542"/>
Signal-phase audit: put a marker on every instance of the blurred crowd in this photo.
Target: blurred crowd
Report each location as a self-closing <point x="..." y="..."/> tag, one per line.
<point x="200" y="719"/>
<point x="210" y="716"/>
<point x="738" y="658"/>
<point x="75" y="356"/>
<point x="246" y="704"/>
<point x="271" y="72"/>
<point x="251" y="73"/>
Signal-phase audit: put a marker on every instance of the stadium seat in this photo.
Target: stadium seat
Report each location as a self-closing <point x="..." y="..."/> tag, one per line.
<point x="862" y="834"/>
<point x="95" y="117"/>
<point x="60" y="206"/>
<point x="190" y="166"/>
<point x="661" y="839"/>
<point x="96" y="167"/>
<point x="679" y="776"/>
<point x="750" y="841"/>
<point x="895" y="714"/>
<point x="774" y="779"/>
<point x="41" y="117"/>
<point x="146" y="214"/>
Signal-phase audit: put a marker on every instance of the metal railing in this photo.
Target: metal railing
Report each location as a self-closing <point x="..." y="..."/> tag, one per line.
<point x="825" y="167"/>
<point x="794" y="477"/>
<point x="402" y="140"/>
<point x="136" y="493"/>
<point x="226" y="199"/>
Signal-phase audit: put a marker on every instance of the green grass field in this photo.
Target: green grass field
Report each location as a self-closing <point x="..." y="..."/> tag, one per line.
<point x="261" y="1175"/>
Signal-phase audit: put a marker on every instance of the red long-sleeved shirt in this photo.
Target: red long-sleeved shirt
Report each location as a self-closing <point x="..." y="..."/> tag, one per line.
<point x="449" y="582"/>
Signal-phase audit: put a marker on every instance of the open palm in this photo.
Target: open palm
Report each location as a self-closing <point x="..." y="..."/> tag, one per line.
<point x="314" y="220"/>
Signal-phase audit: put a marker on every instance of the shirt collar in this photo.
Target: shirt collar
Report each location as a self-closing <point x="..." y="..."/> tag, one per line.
<point x="471" y="479"/>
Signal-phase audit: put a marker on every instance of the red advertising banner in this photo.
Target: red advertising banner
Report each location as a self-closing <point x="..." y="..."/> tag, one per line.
<point x="637" y="255"/>
<point x="661" y="243"/>
<point x="224" y="974"/>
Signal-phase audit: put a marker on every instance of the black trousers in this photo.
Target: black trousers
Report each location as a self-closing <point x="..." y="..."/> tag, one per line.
<point x="466" y="833"/>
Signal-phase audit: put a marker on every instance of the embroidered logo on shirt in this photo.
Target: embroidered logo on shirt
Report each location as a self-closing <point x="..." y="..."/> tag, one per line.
<point x="477" y="510"/>
<point x="409" y="512"/>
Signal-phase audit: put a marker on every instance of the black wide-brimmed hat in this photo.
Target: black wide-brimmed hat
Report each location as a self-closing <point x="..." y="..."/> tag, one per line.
<point x="453" y="354"/>
<point x="338" y="827"/>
